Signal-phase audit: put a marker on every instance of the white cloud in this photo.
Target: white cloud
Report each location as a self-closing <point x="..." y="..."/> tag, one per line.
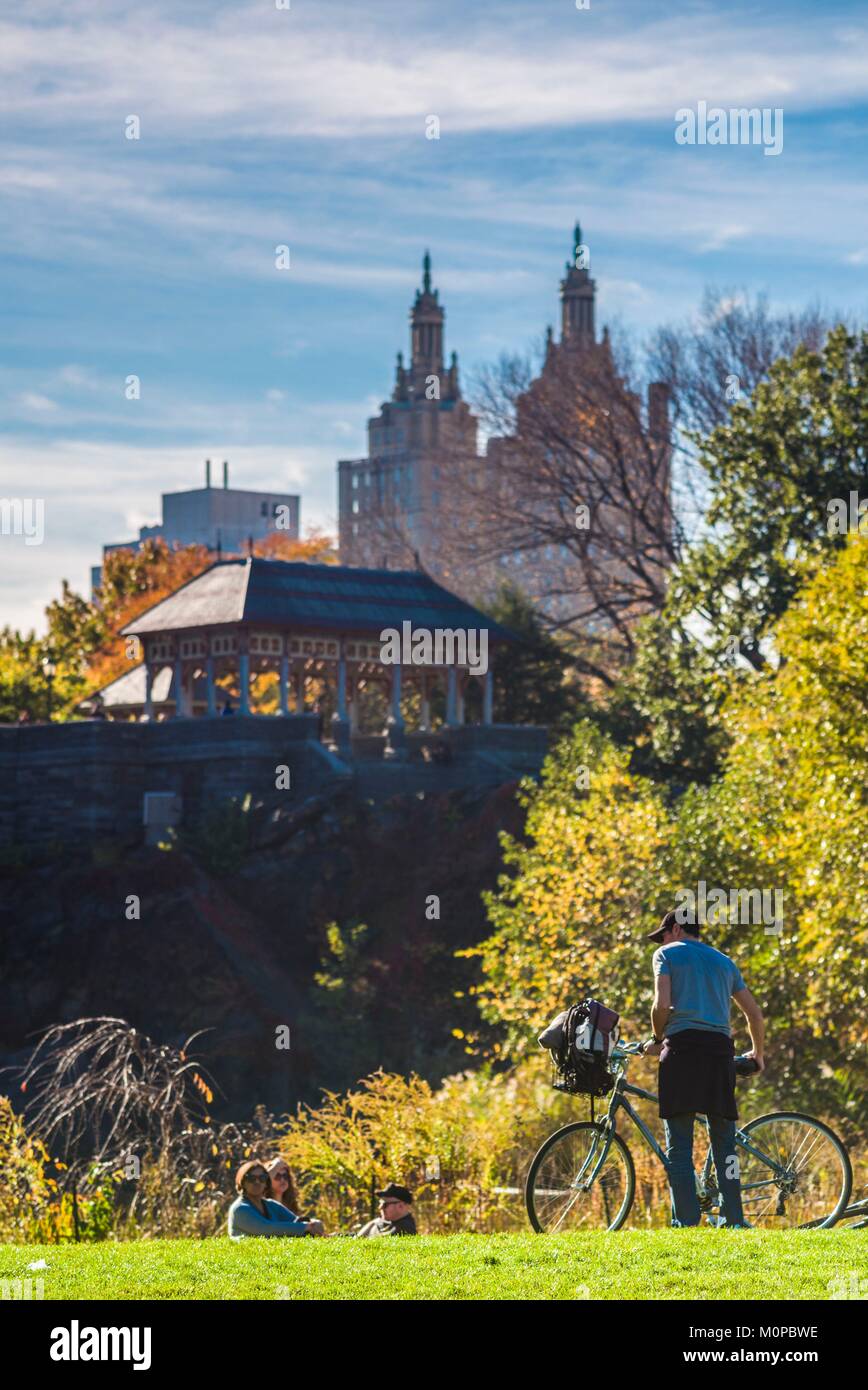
<point x="340" y="71"/>
<point x="33" y="401"/>
<point x="722" y="236"/>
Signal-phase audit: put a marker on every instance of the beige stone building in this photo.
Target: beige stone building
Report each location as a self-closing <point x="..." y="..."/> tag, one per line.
<point x="426" y="496"/>
<point x="389" y="502"/>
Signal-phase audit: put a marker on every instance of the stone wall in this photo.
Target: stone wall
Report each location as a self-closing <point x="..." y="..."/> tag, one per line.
<point x="64" y="781"/>
<point x="87" y="779"/>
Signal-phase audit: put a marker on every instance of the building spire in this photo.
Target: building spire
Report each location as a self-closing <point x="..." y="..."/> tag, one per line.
<point x="426" y="321"/>
<point x="578" y="292"/>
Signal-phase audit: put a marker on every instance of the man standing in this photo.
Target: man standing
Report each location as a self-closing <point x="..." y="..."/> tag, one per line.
<point x="693" y="985"/>
<point x="396" y="1218"/>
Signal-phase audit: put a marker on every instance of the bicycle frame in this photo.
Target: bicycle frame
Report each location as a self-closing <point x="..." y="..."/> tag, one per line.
<point x="619" y="1101"/>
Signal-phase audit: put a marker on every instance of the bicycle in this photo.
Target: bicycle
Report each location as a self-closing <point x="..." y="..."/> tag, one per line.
<point x="855" y="1216"/>
<point x="583" y="1176"/>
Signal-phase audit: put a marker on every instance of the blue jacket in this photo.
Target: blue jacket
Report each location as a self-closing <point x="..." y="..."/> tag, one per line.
<point x="245" y="1220"/>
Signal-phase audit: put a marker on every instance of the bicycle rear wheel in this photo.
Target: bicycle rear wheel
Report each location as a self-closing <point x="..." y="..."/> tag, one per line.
<point x="813" y="1178"/>
<point x="563" y="1192"/>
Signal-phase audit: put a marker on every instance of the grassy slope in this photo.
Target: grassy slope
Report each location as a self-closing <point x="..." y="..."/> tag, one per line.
<point x="700" y="1264"/>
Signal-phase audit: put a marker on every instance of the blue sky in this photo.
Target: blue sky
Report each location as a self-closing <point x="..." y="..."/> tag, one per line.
<point x="306" y="127"/>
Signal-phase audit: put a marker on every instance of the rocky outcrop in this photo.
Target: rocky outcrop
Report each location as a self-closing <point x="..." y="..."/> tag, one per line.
<point x="173" y="946"/>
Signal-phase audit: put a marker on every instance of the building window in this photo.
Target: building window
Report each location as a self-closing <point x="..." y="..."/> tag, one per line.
<point x="355" y="480"/>
<point x="264" y="509"/>
<point x="355" y="528"/>
<point x="355" y="505"/>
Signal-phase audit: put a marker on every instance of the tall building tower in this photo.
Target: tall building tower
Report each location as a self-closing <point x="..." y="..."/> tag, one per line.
<point x="569" y="406"/>
<point x="578" y="293"/>
<point x="388" y="502"/>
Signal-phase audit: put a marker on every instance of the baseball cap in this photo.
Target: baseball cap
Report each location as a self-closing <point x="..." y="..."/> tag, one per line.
<point x="672" y="920"/>
<point x="399" y="1193"/>
<point x="668" y="922"/>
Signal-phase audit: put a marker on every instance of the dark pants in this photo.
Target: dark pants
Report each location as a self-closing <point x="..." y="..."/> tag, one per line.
<point x="682" y="1179"/>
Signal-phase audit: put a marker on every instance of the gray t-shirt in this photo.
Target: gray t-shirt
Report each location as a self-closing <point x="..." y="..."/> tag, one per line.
<point x="703" y="982"/>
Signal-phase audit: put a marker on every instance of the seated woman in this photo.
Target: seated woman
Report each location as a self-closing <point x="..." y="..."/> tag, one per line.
<point x="254" y="1213"/>
<point x="283" y="1188"/>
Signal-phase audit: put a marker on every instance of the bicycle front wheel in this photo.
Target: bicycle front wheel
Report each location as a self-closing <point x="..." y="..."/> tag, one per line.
<point x="581" y="1179"/>
<point x="811" y="1178"/>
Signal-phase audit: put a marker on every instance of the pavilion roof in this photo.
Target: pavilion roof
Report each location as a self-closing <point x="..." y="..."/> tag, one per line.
<point x="129" y="689"/>
<point x="297" y="595"/>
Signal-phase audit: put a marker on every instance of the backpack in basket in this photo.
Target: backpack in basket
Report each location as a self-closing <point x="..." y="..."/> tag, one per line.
<point x="580" y="1041"/>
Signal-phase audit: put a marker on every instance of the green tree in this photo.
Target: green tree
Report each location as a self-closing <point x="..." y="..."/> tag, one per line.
<point x="774" y="467"/>
<point x="788" y="814"/>
<point x="568" y="919"/>
<point x="532" y="678"/>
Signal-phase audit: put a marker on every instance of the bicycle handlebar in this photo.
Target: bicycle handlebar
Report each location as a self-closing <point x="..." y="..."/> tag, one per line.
<point x="627" y="1049"/>
<point x="744" y="1065"/>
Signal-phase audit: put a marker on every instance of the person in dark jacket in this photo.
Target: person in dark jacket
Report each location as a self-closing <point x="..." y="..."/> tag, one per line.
<point x="396" y="1217"/>
<point x="693" y="986"/>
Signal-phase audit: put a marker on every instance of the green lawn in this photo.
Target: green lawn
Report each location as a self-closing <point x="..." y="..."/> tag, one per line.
<point x="698" y="1264"/>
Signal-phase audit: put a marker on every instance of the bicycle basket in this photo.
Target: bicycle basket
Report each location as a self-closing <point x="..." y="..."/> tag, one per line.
<point x="582" y="1074"/>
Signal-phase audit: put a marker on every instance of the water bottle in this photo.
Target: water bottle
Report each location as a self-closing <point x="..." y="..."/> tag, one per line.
<point x="745" y="1066"/>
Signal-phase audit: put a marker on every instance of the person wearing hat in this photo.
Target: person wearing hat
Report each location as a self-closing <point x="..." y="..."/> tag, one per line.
<point x="396" y="1218"/>
<point x="693" y="987"/>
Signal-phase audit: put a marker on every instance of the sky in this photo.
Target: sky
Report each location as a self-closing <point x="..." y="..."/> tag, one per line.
<point x="308" y="126"/>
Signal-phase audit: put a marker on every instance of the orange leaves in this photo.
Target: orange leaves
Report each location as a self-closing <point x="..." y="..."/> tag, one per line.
<point x="203" y="1087"/>
<point x="316" y="548"/>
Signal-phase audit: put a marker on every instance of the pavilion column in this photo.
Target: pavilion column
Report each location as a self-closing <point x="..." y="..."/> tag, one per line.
<point x="284" y="684"/>
<point x="396" y="738"/>
<point x="342" y="685"/>
<point x="354" y="705"/>
<point x="425" y="710"/>
<point x="210" y="687"/>
<point x="340" y="718"/>
<point x="150" y="672"/>
<point x="460" y="678"/>
<point x="488" y="698"/>
<point x="451" y="696"/>
<point x="244" y="677"/>
<point x="179" y="688"/>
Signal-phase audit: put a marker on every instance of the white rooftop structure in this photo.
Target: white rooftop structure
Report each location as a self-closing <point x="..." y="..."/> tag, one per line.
<point x="224" y="519"/>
